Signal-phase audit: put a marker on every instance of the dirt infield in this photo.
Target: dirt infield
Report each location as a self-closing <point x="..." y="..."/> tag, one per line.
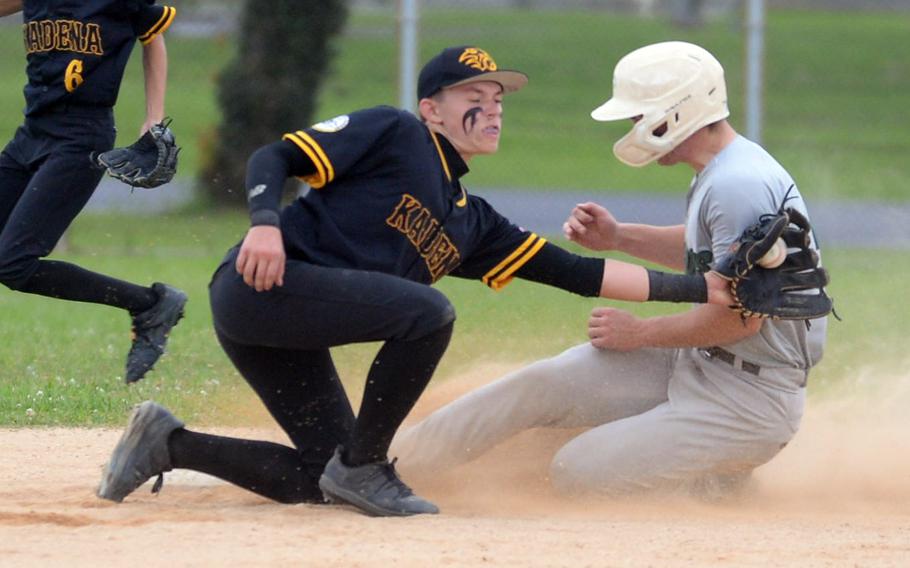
<point x="839" y="495"/>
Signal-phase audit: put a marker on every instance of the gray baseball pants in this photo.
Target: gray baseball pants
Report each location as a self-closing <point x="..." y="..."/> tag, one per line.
<point x="658" y="418"/>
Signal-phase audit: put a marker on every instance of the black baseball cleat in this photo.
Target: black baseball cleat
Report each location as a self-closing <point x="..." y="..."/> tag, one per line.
<point x="141" y="452"/>
<point x="374" y="488"/>
<point x="150" y="330"/>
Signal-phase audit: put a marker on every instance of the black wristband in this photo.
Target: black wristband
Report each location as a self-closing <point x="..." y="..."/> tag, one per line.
<point x="265" y="217"/>
<point x="663" y="287"/>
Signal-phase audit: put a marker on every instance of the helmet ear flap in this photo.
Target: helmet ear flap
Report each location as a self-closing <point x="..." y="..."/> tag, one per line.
<point x="646" y="142"/>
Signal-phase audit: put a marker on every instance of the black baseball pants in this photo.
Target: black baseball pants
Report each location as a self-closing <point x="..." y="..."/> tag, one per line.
<point x="46" y="178"/>
<point x="279" y="341"/>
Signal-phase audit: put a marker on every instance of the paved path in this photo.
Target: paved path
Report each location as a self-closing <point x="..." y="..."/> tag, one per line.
<point x="838" y="223"/>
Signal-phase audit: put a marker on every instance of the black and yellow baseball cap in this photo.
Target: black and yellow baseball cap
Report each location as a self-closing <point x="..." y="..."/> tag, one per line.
<point x="462" y="65"/>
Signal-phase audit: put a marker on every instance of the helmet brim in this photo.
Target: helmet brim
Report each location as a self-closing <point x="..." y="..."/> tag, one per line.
<point x="617" y="109"/>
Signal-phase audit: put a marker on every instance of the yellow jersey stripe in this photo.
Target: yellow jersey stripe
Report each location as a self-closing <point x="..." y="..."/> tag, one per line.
<point x="516" y="253"/>
<point x="313" y="180"/>
<point x="319" y="179"/>
<point x="514" y="261"/>
<point x="502" y="280"/>
<point x="330" y="171"/>
<point x="442" y="157"/>
<point x="163" y="23"/>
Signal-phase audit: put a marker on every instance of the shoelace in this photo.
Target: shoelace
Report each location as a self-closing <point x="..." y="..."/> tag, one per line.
<point x="391" y="478"/>
<point x="159" y="483"/>
<point x="402" y="486"/>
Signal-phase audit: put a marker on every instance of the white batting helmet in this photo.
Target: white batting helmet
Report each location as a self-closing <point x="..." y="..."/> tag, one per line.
<point x="675" y="87"/>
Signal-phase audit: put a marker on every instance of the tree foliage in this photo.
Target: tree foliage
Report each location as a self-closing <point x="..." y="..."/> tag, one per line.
<point x="284" y="50"/>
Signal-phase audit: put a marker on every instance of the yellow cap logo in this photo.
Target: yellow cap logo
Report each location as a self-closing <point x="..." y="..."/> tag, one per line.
<point x="478" y="59"/>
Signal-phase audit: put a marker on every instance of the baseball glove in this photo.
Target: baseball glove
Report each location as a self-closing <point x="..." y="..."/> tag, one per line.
<point x="783" y="292"/>
<point x="149" y="162"/>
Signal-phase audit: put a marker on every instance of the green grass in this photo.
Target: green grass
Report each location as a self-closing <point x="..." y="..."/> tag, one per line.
<point x="835" y="85"/>
<point x="64" y="361"/>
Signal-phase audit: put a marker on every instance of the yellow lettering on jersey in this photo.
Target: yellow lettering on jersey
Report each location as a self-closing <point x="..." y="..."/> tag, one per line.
<point x="63" y="35"/>
<point x="426" y="247"/>
<point x="29" y="37"/>
<point x="73" y="77"/>
<point x="417" y="223"/>
<point x="65" y="40"/>
<point x="442" y="258"/>
<point x="76" y="34"/>
<point x="92" y="40"/>
<point x="399" y="217"/>
<point x="428" y="230"/>
<point x="46" y="29"/>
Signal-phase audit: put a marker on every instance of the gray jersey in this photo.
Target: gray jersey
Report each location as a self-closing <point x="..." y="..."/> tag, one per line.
<point x="740" y="184"/>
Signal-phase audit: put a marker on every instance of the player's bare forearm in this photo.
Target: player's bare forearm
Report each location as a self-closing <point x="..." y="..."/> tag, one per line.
<point x="703" y="326"/>
<point x="154" y="64"/>
<point x="664" y="245"/>
<point x="624" y="281"/>
<point x="8" y="7"/>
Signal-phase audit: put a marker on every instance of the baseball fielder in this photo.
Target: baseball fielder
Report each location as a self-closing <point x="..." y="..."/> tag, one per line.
<point x="669" y="401"/>
<point x="77" y="51"/>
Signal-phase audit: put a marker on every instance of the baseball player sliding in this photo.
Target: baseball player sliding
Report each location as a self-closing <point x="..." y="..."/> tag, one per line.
<point x="672" y="401"/>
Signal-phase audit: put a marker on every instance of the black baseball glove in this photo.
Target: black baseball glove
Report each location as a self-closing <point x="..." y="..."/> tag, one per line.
<point x="149" y="162"/>
<point x="784" y="292"/>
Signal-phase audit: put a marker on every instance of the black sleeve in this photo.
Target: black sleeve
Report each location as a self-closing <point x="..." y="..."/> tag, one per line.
<point x="558" y="267"/>
<point x="148" y="20"/>
<point x="500" y="251"/>
<point x="266" y="172"/>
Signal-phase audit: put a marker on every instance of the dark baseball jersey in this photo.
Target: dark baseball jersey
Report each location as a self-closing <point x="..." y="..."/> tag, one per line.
<point x="386" y="196"/>
<point x="77" y="50"/>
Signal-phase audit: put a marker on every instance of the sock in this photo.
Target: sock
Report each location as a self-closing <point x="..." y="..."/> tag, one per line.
<point x="70" y="282"/>
<point x="265" y="468"/>
<point x="398" y="376"/>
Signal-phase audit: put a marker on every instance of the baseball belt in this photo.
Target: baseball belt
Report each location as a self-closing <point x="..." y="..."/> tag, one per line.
<point x="734" y="361"/>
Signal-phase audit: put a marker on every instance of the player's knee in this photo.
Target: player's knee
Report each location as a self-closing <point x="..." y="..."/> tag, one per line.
<point x="575" y="471"/>
<point x="15" y="270"/>
<point x="567" y="476"/>
<point x="431" y="312"/>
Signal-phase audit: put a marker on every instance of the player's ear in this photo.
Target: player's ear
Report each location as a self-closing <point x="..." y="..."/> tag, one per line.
<point x="429" y="111"/>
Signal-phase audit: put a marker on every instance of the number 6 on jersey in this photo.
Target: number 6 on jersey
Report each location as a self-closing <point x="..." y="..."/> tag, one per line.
<point x="73" y="77"/>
